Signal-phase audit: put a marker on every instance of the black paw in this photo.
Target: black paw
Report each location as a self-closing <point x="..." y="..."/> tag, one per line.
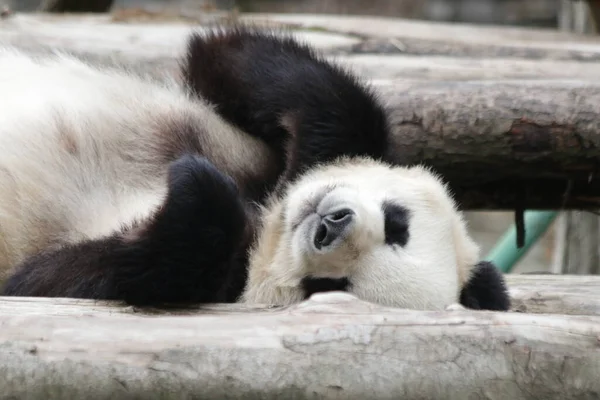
<point x="196" y="182"/>
<point x="486" y="290"/>
<point x="202" y="204"/>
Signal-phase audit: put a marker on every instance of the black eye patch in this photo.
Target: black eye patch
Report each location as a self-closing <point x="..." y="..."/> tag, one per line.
<point x="396" y="224"/>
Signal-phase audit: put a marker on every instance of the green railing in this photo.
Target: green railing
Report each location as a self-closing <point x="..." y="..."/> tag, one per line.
<point x="505" y="253"/>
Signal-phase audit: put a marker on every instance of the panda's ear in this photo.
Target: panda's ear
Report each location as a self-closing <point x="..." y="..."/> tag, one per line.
<point x="485" y="289"/>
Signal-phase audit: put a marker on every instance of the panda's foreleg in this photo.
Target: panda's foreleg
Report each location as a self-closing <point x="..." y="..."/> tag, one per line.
<point x="181" y="254"/>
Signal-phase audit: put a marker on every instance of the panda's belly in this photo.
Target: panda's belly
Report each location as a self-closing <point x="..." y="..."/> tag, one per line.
<point x="72" y="166"/>
<point x="48" y="197"/>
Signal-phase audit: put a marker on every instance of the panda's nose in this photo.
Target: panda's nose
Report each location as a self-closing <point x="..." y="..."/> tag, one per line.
<point x="332" y="227"/>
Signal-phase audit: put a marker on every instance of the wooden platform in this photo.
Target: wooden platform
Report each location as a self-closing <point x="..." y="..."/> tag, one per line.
<point x="332" y="346"/>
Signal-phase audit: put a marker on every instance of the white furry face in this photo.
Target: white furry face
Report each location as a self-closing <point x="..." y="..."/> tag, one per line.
<point x="389" y="235"/>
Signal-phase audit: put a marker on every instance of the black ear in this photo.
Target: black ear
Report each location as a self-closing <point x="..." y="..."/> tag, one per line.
<point x="486" y="289"/>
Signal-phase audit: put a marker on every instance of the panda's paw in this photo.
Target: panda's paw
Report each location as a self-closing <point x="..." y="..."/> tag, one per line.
<point x="201" y="201"/>
<point x="486" y="289"/>
<point x="196" y="182"/>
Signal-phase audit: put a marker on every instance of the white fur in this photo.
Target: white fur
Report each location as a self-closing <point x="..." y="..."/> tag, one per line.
<point x="80" y="149"/>
<point x="427" y="273"/>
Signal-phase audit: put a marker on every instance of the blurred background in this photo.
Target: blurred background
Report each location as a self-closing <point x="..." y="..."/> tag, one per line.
<point x="540" y="13"/>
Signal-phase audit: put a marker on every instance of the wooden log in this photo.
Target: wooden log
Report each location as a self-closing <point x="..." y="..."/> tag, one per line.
<point x="332" y="346"/>
<point x="501" y="143"/>
<point x="395" y="35"/>
<point x="162" y="37"/>
<point x="555" y="294"/>
<point x="538" y="12"/>
<point x="530" y="293"/>
<point x="452" y="68"/>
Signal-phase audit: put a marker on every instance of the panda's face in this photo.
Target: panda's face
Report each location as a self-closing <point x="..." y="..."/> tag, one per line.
<point x="389" y="235"/>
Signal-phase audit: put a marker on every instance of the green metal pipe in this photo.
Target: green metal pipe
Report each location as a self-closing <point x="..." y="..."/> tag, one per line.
<point x="505" y="253"/>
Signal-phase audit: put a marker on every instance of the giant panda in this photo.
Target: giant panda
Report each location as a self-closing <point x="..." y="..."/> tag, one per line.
<point x="388" y="234"/>
<point x="259" y="177"/>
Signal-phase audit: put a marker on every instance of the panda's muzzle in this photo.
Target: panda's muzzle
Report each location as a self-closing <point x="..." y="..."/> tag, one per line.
<point x="333" y="228"/>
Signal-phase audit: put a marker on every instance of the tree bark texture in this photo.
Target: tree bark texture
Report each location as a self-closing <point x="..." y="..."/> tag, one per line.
<point x="502" y="144"/>
<point x="332" y="346"/>
<point x="555" y="294"/>
<point x="526" y="139"/>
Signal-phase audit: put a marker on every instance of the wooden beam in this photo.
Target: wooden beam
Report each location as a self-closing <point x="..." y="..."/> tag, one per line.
<point x="396" y="35"/>
<point x="121" y="32"/>
<point x="530" y="293"/>
<point x="555" y="294"/>
<point x="331" y="346"/>
<point x="503" y="142"/>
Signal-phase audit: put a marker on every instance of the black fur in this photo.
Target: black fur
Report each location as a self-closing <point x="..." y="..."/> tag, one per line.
<point x="396" y="224"/>
<point x="486" y="290"/>
<point x="183" y="254"/>
<point x="195" y="247"/>
<point x="309" y="110"/>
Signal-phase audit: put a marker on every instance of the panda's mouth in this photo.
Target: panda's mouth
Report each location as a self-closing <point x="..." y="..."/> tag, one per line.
<point x="311" y="285"/>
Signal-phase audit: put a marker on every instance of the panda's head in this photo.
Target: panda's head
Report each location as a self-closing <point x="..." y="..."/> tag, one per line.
<point x="389" y="235"/>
